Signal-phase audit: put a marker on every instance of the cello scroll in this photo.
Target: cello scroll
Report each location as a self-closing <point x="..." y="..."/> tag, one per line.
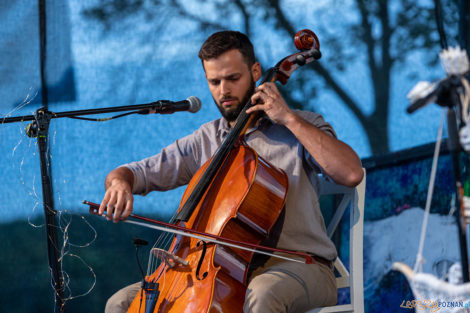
<point x="307" y="42"/>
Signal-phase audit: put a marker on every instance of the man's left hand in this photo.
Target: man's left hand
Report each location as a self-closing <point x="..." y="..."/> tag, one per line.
<point x="268" y="99"/>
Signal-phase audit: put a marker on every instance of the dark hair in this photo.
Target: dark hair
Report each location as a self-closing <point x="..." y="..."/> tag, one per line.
<point x="221" y="42"/>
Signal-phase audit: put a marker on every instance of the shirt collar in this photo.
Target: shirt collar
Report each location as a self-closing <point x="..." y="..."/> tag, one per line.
<point x="224" y="126"/>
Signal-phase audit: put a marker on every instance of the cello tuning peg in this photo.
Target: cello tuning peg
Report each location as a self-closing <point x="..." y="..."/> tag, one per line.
<point x="300" y="60"/>
<point x="316" y="54"/>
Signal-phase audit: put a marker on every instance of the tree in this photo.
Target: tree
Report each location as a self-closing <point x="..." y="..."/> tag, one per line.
<point x="378" y="33"/>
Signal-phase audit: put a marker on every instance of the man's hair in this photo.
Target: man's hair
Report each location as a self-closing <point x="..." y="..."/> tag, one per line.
<point x="221" y="42"/>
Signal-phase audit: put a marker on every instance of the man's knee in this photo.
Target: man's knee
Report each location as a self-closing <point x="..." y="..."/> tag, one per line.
<point x="290" y="289"/>
<point x="267" y="293"/>
<point x="122" y="299"/>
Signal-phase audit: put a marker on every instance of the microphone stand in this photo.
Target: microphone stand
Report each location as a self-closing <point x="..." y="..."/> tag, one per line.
<point x="39" y="129"/>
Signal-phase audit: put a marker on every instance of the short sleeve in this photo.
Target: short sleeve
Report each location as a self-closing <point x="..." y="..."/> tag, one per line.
<point x="318" y="121"/>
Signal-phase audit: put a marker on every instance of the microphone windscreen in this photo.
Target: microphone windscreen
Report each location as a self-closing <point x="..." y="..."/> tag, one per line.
<point x="194" y="104"/>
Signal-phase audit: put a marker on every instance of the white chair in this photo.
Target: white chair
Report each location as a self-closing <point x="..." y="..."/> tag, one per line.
<point x="352" y="279"/>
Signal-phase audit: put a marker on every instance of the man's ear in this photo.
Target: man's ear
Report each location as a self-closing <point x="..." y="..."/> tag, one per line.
<point x="256" y="71"/>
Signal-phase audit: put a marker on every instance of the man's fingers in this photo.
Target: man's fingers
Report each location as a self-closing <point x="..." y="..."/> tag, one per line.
<point x="104" y="203"/>
<point x="259" y="98"/>
<point x="268" y="88"/>
<point x="118" y="208"/>
<point x="128" y="208"/>
<point x="258" y="107"/>
<point x="111" y="205"/>
<point x="255" y="97"/>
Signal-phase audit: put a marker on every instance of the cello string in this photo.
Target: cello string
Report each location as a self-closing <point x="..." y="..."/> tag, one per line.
<point x="153" y="262"/>
<point x="173" y="291"/>
<point x="155" y="259"/>
<point x="152" y="258"/>
<point x="164" y="241"/>
<point x="168" y="238"/>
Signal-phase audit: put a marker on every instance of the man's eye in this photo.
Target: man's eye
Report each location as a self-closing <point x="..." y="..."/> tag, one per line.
<point x="215" y="82"/>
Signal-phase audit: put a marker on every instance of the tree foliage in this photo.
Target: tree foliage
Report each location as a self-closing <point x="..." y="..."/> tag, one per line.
<point x="380" y="34"/>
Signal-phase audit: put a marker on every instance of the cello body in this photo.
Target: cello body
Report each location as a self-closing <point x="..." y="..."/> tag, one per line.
<point x="243" y="202"/>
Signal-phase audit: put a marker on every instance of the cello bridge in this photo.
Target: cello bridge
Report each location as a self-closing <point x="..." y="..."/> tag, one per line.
<point x="169" y="258"/>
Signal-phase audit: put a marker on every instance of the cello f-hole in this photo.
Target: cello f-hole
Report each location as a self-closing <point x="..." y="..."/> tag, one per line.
<point x="199" y="263"/>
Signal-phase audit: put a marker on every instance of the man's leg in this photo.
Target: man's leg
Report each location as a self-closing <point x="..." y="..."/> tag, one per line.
<point x="122" y="299"/>
<point x="290" y="287"/>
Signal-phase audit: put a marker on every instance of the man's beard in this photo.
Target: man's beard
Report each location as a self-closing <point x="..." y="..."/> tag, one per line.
<point x="231" y="114"/>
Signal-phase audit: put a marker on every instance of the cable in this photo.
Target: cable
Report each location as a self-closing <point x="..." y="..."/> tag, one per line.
<point x="103" y="119"/>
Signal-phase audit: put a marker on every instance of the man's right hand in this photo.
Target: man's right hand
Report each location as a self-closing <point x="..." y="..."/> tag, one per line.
<point x="118" y="199"/>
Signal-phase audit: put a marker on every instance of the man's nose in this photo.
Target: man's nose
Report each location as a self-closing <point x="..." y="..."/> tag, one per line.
<point x="225" y="87"/>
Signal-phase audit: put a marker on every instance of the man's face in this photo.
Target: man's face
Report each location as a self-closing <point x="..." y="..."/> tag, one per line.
<point x="231" y="82"/>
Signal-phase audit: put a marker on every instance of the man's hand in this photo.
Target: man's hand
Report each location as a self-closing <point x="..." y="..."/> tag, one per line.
<point x="268" y="99"/>
<point x="118" y="199"/>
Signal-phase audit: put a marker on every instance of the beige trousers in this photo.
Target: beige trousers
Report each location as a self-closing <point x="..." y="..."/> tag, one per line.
<point x="276" y="287"/>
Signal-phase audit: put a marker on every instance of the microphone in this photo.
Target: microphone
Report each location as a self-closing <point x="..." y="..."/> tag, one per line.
<point x="192" y="104"/>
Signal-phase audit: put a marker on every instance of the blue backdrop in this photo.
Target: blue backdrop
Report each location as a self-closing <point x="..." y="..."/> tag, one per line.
<point x="92" y="64"/>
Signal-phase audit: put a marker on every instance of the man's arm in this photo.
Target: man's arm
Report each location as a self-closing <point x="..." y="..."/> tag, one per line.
<point x="335" y="157"/>
<point x="118" y="199"/>
<point x="172" y="167"/>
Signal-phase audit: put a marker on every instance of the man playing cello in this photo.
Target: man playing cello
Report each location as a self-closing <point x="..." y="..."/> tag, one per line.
<point x="299" y="142"/>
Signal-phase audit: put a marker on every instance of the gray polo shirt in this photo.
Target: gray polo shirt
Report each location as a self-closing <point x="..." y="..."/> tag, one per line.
<point x="303" y="228"/>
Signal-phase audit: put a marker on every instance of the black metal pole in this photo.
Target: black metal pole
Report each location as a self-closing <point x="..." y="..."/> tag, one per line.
<point x="53" y="247"/>
<point x="42" y="124"/>
<point x="454" y="147"/>
<point x="464" y="25"/>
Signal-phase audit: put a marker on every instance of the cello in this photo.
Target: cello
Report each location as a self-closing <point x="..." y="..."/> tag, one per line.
<point x="235" y="196"/>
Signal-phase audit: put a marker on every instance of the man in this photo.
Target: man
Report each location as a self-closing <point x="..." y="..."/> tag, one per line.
<point x="300" y="143"/>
